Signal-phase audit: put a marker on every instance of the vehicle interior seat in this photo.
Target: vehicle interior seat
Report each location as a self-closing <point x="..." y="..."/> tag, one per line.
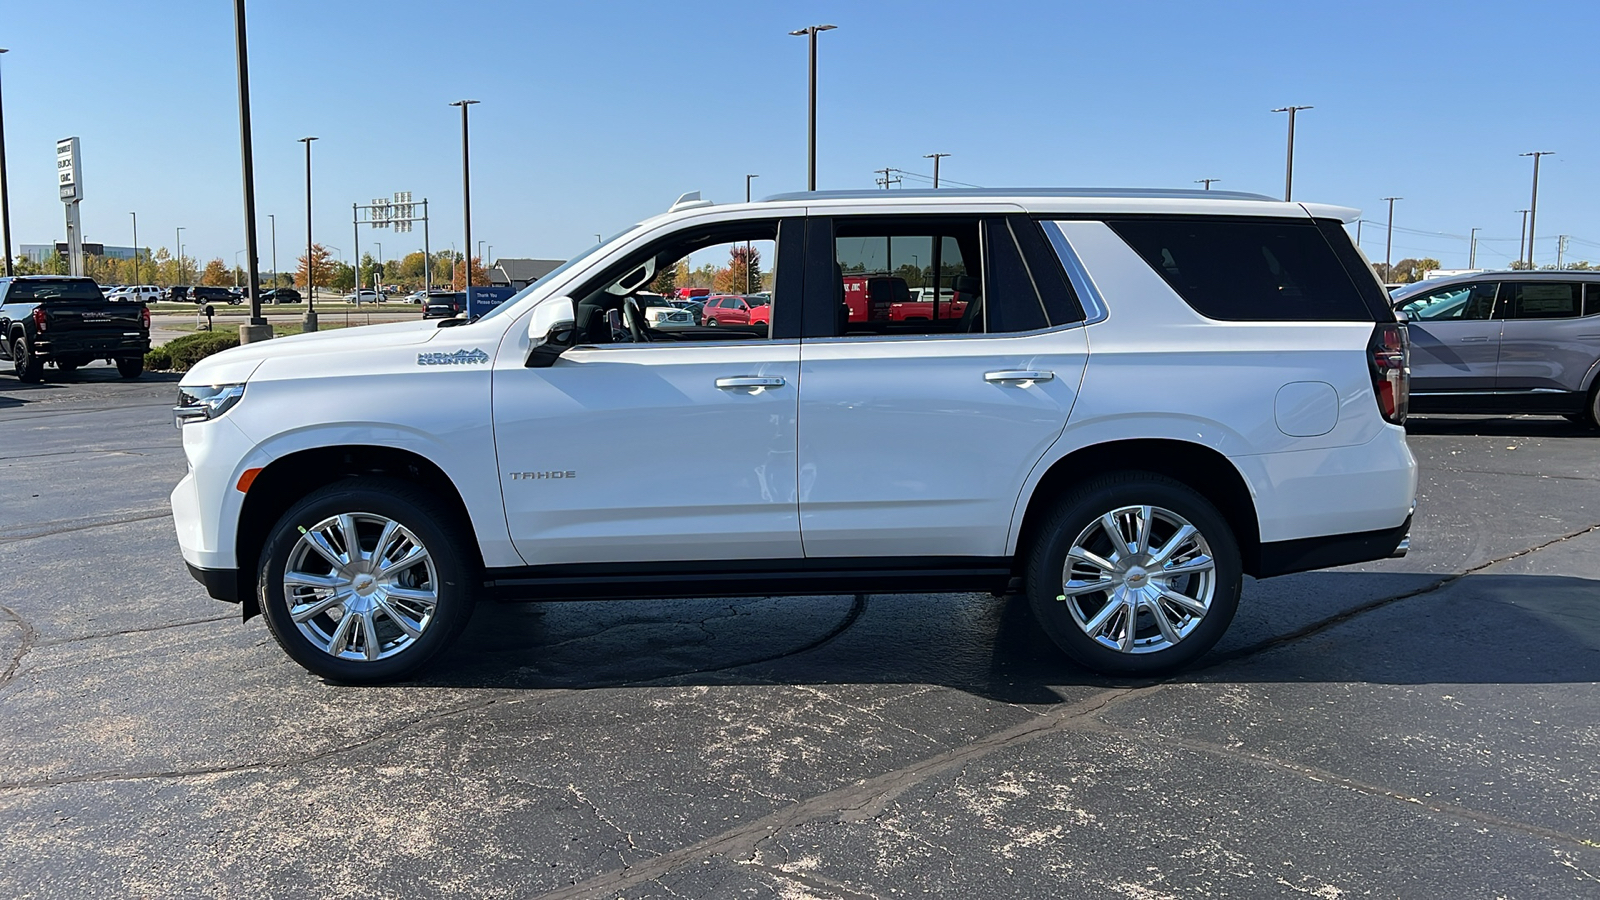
<point x="970" y="289"/>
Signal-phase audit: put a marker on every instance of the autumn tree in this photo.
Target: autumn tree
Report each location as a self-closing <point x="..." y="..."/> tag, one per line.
<point x="666" y="282"/>
<point x="743" y="273"/>
<point x="216" y="274"/>
<point x="321" y="268"/>
<point x="480" y="278"/>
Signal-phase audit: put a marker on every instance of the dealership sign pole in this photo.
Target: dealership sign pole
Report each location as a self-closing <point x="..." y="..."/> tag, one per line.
<point x="69" y="178"/>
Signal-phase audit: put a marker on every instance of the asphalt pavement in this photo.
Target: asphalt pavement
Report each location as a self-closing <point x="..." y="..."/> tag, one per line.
<point x="1423" y="727"/>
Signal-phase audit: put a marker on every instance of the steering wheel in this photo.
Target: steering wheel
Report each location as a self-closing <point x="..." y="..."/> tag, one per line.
<point x="632" y="316"/>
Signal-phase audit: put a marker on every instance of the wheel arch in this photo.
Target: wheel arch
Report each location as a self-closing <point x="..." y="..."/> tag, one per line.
<point x="1196" y="465"/>
<point x="287" y="479"/>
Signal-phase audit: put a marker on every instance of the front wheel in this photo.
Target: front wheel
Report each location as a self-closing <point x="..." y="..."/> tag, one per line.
<point x="711" y="323"/>
<point x="1591" y="415"/>
<point x="1134" y="574"/>
<point x="363" y="582"/>
<point x="130" y="367"/>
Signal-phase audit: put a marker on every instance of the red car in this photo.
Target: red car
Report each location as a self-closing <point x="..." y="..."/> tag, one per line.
<point x="733" y="309"/>
<point x="883" y="298"/>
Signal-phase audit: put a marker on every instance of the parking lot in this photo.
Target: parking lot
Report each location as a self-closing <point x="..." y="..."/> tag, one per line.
<point x="1421" y="727"/>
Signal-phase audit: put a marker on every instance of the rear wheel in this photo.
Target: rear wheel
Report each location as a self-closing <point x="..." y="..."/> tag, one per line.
<point x="1134" y="574"/>
<point x="1591" y="416"/>
<point x="711" y="322"/>
<point x="130" y="367"/>
<point x="363" y="581"/>
<point x="29" y="367"/>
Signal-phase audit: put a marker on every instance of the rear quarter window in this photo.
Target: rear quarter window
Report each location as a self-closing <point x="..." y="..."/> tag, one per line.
<point x="1249" y="269"/>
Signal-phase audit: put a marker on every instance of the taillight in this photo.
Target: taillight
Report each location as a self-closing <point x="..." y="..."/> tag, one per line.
<point x="145" y="317"/>
<point x="38" y="318"/>
<point x="1391" y="370"/>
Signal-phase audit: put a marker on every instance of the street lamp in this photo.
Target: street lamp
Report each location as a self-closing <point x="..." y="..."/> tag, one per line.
<point x="274" y="219"/>
<point x="1288" y="173"/>
<point x="258" y="329"/>
<point x="1533" y="206"/>
<point x="1522" y="237"/>
<point x="310" y="321"/>
<point x="236" y="268"/>
<point x="811" y="119"/>
<point x="377" y="273"/>
<point x="747" y="288"/>
<point x="935" y="157"/>
<point x="5" y="194"/>
<point x="183" y="274"/>
<point x="135" y="247"/>
<point x="466" y="193"/>
<point x="1388" y="245"/>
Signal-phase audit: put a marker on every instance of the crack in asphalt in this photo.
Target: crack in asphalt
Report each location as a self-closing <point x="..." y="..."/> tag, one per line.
<point x="66" y="526"/>
<point x="145" y="630"/>
<point x="29" y="637"/>
<point x="1327" y="776"/>
<point x="815" y="882"/>
<point x="1515" y="474"/>
<point x="853" y="798"/>
<point x="109" y="451"/>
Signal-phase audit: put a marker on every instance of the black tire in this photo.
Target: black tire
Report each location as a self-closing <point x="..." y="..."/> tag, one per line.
<point x="130" y="366"/>
<point x="29" y="368"/>
<point x="1078" y="510"/>
<point x="454" y="576"/>
<point x="711" y="323"/>
<point x="1591" y="413"/>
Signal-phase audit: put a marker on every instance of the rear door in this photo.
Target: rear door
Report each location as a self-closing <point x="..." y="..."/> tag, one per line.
<point x="1546" y="342"/>
<point x="916" y="437"/>
<point x="1455" y="337"/>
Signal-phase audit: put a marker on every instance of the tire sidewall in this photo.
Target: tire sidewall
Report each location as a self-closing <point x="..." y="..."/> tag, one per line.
<point x="1075" y="512"/>
<point x="404" y="504"/>
<point x="28" y="366"/>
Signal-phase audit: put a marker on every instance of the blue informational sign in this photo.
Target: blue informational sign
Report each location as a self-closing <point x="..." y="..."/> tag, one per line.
<point x="482" y="299"/>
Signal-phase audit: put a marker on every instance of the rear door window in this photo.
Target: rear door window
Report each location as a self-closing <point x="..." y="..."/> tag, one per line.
<point x="1248" y="269"/>
<point x="1542" y="300"/>
<point x="1457" y="302"/>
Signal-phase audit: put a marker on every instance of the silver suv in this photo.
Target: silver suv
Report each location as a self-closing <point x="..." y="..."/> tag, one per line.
<point x="1500" y="342"/>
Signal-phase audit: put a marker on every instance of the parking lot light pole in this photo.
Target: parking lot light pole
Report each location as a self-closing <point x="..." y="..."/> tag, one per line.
<point x="258" y="329"/>
<point x="466" y="196"/>
<point x="811" y="116"/>
<point x="177" y="244"/>
<point x="310" y="321"/>
<point x="1288" y="172"/>
<point x="1388" y="244"/>
<point x="747" y="289"/>
<point x="1522" y="237"/>
<point x="274" y="220"/>
<point x="1472" y="248"/>
<point x="1533" y="205"/>
<point x="5" y="192"/>
<point x="135" y="247"/>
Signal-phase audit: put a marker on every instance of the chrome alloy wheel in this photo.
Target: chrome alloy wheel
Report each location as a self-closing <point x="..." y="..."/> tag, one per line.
<point x="1139" y="579"/>
<point x="360" y="586"/>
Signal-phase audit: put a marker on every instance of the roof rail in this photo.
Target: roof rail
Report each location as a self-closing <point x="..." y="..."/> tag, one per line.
<point x="971" y="193"/>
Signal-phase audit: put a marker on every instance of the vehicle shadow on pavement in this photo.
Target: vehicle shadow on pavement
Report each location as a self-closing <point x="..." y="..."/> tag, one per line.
<point x="1490" y="629"/>
<point x="15" y="393"/>
<point x="1499" y="426"/>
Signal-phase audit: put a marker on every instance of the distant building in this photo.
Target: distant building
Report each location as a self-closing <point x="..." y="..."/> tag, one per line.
<point x="519" y="273"/>
<point x="41" y="252"/>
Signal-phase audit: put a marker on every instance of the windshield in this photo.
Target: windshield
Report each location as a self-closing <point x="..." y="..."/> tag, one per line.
<point x="553" y="273"/>
<point x="47" y="289"/>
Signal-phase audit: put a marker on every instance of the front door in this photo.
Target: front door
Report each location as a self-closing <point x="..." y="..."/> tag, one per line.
<point x="1455" y="339"/>
<point x="641" y="445"/>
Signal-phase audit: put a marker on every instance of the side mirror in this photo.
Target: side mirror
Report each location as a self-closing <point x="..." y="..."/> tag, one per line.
<point x="550" y="332"/>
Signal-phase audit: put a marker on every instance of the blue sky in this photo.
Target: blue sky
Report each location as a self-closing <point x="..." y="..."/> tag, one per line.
<point x="596" y="114"/>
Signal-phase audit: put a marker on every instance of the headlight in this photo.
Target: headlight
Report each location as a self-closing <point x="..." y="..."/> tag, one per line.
<point x="205" y="401"/>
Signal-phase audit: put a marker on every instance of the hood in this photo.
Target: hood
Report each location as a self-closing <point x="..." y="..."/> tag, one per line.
<point x="237" y="364"/>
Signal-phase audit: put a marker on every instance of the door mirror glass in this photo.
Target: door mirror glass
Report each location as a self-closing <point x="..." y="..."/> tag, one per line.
<point x="550" y="331"/>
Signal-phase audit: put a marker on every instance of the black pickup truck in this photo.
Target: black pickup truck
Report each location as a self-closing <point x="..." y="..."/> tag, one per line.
<point x="68" y="322"/>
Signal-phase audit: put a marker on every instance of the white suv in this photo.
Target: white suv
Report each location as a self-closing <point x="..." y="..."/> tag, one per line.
<point x="1119" y="402"/>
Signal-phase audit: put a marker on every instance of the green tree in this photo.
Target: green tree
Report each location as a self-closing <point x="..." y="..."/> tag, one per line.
<point x="341" y="276"/>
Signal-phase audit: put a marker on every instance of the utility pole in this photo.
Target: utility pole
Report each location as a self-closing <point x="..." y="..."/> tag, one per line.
<point x="258" y="329"/>
<point x="747" y="288"/>
<point x="1208" y="182"/>
<point x="309" y="323"/>
<point x="1472" y="249"/>
<point x="1358" y="231"/>
<point x="935" y="157"/>
<point x="1561" y="250"/>
<point x="466" y="197"/>
<point x="1533" y="206"/>
<point x="5" y="193"/>
<point x="1288" y="169"/>
<point x="1522" y="245"/>
<point x="1388" y="247"/>
<point x="811" y="117"/>
<point x="135" y="247"/>
<point x="886" y="180"/>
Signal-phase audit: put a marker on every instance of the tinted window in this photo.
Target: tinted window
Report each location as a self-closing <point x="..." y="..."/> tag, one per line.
<point x="1542" y="300"/>
<point x="1456" y="302"/>
<point x="47" y="289"/>
<point x="1248" y="270"/>
<point x="1591" y="300"/>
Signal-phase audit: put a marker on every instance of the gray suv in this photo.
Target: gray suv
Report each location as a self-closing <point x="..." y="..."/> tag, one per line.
<point x="1499" y="342"/>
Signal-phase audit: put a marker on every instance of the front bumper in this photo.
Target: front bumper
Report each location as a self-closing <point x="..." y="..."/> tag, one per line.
<point x="220" y="584"/>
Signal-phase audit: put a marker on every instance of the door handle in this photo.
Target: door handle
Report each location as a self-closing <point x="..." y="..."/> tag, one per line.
<point x="749" y="381"/>
<point x="1474" y="339"/>
<point x="1017" y="376"/>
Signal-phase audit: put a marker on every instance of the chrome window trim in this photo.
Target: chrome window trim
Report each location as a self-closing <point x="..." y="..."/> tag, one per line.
<point x="1094" y="305"/>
